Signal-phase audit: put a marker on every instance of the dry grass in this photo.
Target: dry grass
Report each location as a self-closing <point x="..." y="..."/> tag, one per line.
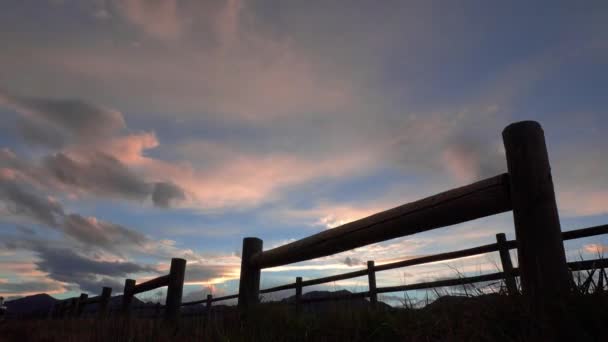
<point x="492" y="317"/>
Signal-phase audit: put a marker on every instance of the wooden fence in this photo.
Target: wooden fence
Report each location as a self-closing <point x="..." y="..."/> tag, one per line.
<point x="502" y="246"/>
<point x="526" y="189"/>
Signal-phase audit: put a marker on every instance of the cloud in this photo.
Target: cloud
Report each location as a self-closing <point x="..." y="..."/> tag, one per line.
<point x="165" y="193"/>
<point x="596" y="249"/>
<point x="24" y="288"/>
<point x="92" y="231"/>
<point x="103" y="174"/>
<point x="209" y="274"/>
<point x="352" y="261"/>
<point x="57" y="122"/>
<point x="20" y="201"/>
<point x="85" y="172"/>
<point x="97" y="173"/>
<point x="469" y="160"/>
<point x="64" y="265"/>
<point x="158" y="18"/>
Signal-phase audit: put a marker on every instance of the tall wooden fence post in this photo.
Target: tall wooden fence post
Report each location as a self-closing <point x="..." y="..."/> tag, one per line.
<point x="507" y="265"/>
<point x="298" y="295"/>
<point x="542" y="260"/>
<point x="175" y="289"/>
<point x="127" y="296"/>
<point x="371" y="277"/>
<point x="104" y="301"/>
<point x="81" y="303"/>
<point x="249" y="283"/>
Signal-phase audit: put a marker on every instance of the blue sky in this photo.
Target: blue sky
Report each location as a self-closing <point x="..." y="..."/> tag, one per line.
<point x="135" y="131"/>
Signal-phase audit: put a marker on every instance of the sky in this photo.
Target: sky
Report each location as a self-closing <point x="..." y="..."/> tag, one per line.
<point x="135" y="131"/>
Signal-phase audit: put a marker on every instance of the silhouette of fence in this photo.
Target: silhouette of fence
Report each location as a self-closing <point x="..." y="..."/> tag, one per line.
<point x="508" y="273"/>
<point x="72" y="307"/>
<point x="75" y="306"/>
<point x="527" y="190"/>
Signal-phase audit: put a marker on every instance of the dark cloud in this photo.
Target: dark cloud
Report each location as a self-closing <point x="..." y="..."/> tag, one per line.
<point x="352" y="261"/>
<point x="165" y="193"/>
<point x="37" y="133"/>
<point x="55" y="122"/>
<point x="75" y="124"/>
<point x="21" y="201"/>
<point x="98" y="173"/>
<point x="30" y="286"/>
<point x="100" y="233"/>
<point x="103" y="174"/>
<point x="90" y="275"/>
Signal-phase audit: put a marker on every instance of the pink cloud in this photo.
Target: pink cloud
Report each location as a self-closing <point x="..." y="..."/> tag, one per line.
<point x="583" y="202"/>
<point x="159" y="19"/>
<point x="596" y="249"/>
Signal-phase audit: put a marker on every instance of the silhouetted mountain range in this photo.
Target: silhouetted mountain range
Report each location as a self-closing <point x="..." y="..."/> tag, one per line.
<point x="40" y="305"/>
<point x="35" y="305"/>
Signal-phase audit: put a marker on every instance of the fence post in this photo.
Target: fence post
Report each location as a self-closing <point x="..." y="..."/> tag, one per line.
<point x="507" y="265"/>
<point x="371" y="277"/>
<point x="127" y="296"/>
<point x="81" y="303"/>
<point x="175" y="289"/>
<point x="104" y="301"/>
<point x="542" y="260"/>
<point x="298" y="295"/>
<point x="61" y="309"/>
<point x="53" y="311"/>
<point x="209" y="303"/>
<point x="249" y="283"/>
<point x="157" y="310"/>
<point x="73" y="307"/>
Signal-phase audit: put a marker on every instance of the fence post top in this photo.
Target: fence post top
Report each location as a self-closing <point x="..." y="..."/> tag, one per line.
<point x="251" y="239"/>
<point x="180" y="260"/>
<point x="522" y="125"/>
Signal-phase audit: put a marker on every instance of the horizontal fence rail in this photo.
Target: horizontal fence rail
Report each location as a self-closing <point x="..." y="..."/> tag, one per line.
<point x="493" y="247"/>
<point x="480" y="199"/>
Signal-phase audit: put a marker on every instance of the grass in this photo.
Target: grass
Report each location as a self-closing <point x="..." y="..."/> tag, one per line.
<point x="479" y="312"/>
<point x="492" y="317"/>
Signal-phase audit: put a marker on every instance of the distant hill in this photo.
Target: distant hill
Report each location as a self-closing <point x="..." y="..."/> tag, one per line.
<point x="323" y="305"/>
<point x="40" y="305"/>
<point x="36" y="305"/>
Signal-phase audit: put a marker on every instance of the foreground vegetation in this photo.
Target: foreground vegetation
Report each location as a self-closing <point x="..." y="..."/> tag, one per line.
<point x="492" y="317"/>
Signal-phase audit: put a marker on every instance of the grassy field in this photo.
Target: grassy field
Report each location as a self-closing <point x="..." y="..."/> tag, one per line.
<point x="483" y="318"/>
